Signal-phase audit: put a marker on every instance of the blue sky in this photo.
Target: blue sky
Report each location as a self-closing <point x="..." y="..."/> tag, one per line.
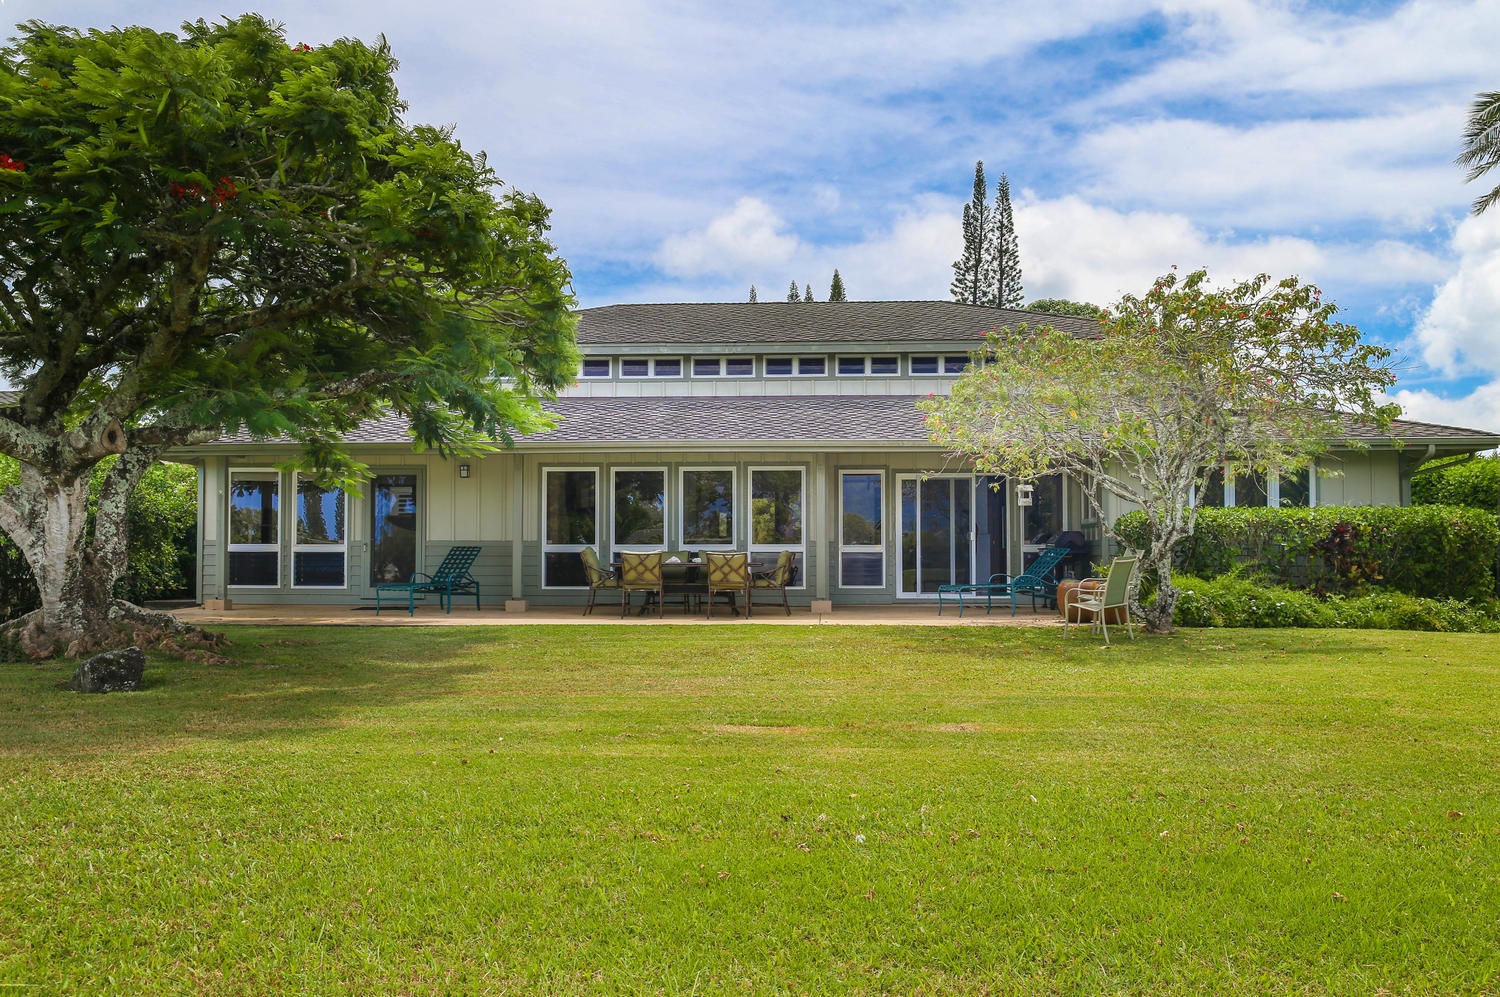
<point x="690" y="150"/>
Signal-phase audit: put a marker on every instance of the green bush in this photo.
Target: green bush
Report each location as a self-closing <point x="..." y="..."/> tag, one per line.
<point x="1235" y="601"/>
<point x="163" y="515"/>
<point x="1441" y="552"/>
<point x="1474" y="483"/>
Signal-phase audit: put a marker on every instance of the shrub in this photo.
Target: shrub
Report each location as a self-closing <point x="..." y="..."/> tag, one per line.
<point x="1235" y="601"/>
<point x="1474" y="483"/>
<point x="1427" y="551"/>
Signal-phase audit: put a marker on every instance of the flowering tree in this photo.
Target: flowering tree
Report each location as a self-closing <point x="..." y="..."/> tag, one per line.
<point x="1184" y="380"/>
<point x="219" y="231"/>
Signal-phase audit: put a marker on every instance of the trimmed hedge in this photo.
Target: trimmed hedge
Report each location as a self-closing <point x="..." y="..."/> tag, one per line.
<point x="1437" y="552"/>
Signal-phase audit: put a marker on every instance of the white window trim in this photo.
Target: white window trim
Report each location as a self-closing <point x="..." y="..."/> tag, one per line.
<point x="798" y="548"/>
<point x="297" y="548"/>
<point x="839" y="361"/>
<point x="549" y="548"/>
<point x="695" y="361"/>
<point x="596" y="377"/>
<point x="242" y="548"/>
<point x="864" y="548"/>
<point x="666" y="489"/>
<point x="734" y="509"/>
<point x="870" y="365"/>
<point x="911" y="366"/>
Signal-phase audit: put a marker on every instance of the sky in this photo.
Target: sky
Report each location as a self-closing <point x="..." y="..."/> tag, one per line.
<point x="689" y="150"/>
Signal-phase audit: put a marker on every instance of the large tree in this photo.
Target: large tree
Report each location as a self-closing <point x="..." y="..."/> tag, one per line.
<point x="1064" y="306"/>
<point x="836" y="290"/>
<point x="1007" y="249"/>
<point x="974" y="271"/>
<point x="217" y="231"/>
<point x="1482" y="145"/>
<point x="1184" y="380"/>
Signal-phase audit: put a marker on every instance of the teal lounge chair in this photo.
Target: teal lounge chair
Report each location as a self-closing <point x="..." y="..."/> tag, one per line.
<point x="451" y="578"/>
<point x="1038" y="580"/>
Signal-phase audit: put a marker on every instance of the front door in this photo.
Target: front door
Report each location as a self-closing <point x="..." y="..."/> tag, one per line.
<point x="393" y="528"/>
<point x="937" y="533"/>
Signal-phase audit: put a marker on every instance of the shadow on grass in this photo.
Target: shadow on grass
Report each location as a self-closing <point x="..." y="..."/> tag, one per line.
<point x="283" y="682"/>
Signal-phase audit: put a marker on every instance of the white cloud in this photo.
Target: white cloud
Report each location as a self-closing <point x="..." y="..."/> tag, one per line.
<point x="1072" y="248"/>
<point x="1394" y="168"/>
<point x="748" y="238"/>
<point x="1461" y="329"/>
<point x="1480" y="409"/>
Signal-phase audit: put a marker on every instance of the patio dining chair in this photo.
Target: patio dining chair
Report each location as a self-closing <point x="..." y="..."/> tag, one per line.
<point x="1114" y="594"/>
<point x="451" y="578"/>
<point x="728" y="571"/>
<point x="777" y="579"/>
<point x="641" y="571"/>
<point x="599" y="577"/>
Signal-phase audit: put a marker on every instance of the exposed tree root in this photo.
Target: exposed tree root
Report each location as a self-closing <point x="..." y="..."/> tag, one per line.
<point x="126" y="625"/>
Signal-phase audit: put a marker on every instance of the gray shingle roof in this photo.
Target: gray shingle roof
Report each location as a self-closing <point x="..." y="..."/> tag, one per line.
<point x="943" y="323"/>
<point x="875" y="420"/>
<point x="9" y="398"/>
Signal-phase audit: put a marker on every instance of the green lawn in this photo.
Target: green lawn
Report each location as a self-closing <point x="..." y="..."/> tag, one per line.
<point x="751" y="810"/>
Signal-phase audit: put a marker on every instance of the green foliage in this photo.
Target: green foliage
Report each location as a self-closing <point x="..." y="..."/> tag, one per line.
<point x="1474" y="483"/>
<point x="1007" y="250"/>
<point x="1482" y="145"/>
<point x="974" y="271"/>
<point x="163" y="517"/>
<point x="836" y="290"/>
<point x="793" y="293"/>
<point x="753" y="296"/>
<point x="245" y="233"/>
<point x="807" y="291"/>
<point x="1442" y="552"/>
<point x="1234" y="600"/>
<point x="1062" y="306"/>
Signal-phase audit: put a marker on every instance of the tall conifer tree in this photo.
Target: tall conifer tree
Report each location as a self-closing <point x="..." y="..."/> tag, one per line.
<point x="1007" y="252"/>
<point x="753" y="297"/>
<point x="836" y="289"/>
<point x="974" y="278"/>
<point x="807" y="291"/>
<point x="793" y="293"/>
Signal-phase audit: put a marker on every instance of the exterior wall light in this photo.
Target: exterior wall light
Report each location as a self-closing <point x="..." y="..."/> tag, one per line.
<point x="463" y="470"/>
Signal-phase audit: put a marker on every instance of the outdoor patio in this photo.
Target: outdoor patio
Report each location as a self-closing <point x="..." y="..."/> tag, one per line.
<point x="906" y="614"/>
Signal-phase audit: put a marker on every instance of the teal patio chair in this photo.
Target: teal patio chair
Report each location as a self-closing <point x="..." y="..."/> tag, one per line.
<point x="1038" y="580"/>
<point x="451" y="578"/>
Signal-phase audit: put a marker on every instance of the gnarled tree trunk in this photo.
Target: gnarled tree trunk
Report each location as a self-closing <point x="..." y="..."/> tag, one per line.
<point x="46" y="516"/>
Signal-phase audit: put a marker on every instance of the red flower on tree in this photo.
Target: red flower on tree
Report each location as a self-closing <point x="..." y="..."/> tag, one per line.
<point x="14" y="165"/>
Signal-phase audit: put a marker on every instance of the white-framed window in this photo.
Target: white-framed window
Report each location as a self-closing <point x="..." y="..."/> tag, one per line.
<point x="955" y="363"/>
<point x="796" y="366"/>
<point x="852" y="366"/>
<point x="877" y="366"/>
<point x="925" y="364"/>
<point x="254" y="541"/>
<point x="708" y="508"/>
<point x="723" y="366"/>
<point x="885" y="366"/>
<point x="778" y="503"/>
<point x="639" y="508"/>
<point x="862" y="529"/>
<point x="639" y="367"/>
<point x="570" y="522"/>
<point x="1256" y="490"/>
<point x="320" y="547"/>
<point x="596" y="367"/>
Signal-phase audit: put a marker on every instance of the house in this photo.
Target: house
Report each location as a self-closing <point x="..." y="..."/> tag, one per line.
<point x="767" y="427"/>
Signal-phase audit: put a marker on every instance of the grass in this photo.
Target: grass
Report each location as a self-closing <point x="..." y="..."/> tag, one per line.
<point x="673" y="810"/>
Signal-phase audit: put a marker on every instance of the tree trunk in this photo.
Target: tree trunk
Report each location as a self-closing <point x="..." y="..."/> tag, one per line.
<point x="46" y="517"/>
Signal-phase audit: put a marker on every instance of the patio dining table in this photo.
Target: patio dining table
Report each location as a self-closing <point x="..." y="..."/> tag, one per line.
<point x="687" y="579"/>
